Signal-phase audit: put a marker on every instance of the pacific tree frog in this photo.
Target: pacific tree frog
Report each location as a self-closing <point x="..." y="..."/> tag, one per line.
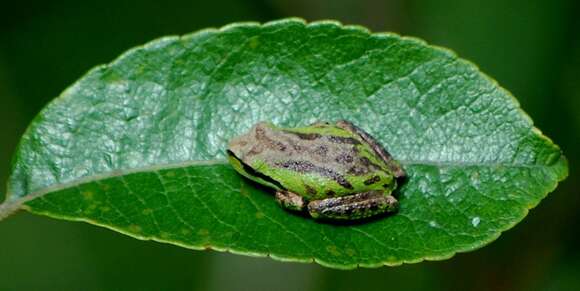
<point x="334" y="171"/>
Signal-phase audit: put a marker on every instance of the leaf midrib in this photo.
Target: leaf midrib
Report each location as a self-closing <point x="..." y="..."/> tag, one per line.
<point x="11" y="205"/>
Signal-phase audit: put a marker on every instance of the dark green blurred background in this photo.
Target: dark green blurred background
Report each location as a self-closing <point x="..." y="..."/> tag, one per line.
<point x="532" y="47"/>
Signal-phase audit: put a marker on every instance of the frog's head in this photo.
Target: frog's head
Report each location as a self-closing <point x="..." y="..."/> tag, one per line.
<point x="241" y="149"/>
<point x="249" y="144"/>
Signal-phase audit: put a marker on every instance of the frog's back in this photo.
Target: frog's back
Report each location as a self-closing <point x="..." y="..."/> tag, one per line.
<point x="331" y="161"/>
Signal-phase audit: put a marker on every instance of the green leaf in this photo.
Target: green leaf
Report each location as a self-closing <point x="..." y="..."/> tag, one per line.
<point x="137" y="145"/>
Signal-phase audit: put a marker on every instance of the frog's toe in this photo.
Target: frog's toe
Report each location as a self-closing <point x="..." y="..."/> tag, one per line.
<point x="290" y="200"/>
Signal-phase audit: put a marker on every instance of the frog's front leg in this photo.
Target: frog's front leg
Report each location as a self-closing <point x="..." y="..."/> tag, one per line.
<point x="290" y="200"/>
<point x="352" y="207"/>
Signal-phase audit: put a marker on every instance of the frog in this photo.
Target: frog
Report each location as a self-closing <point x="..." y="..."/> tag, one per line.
<point x="330" y="171"/>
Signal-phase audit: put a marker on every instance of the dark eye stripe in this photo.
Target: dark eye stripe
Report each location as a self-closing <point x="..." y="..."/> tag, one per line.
<point x="255" y="173"/>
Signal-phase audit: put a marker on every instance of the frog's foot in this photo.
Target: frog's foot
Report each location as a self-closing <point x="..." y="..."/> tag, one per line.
<point x="352" y="207"/>
<point x="290" y="200"/>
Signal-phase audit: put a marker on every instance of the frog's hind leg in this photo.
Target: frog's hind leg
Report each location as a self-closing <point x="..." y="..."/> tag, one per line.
<point x="290" y="200"/>
<point x="384" y="154"/>
<point x="352" y="207"/>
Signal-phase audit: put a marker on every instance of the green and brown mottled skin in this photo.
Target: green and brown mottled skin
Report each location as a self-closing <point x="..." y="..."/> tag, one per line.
<point x="335" y="171"/>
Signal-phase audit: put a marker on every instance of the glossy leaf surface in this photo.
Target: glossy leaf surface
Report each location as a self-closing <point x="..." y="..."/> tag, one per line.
<point x="138" y="145"/>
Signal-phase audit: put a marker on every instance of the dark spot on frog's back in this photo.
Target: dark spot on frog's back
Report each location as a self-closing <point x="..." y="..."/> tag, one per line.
<point x="304" y="136"/>
<point x="256" y="150"/>
<point x="308" y="167"/>
<point x="310" y="190"/>
<point x="260" y="134"/>
<point x="298" y="166"/>
<point x="278" y="146"/>
<point x="321" y="150"/>
<point x="365" y="161"/>
<point x="297" y="148"/>
<point x="343" y="140"/>
<point x="344" y="158"/>
<point x="372" y="180"/>
<point x="357" y="170"/>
